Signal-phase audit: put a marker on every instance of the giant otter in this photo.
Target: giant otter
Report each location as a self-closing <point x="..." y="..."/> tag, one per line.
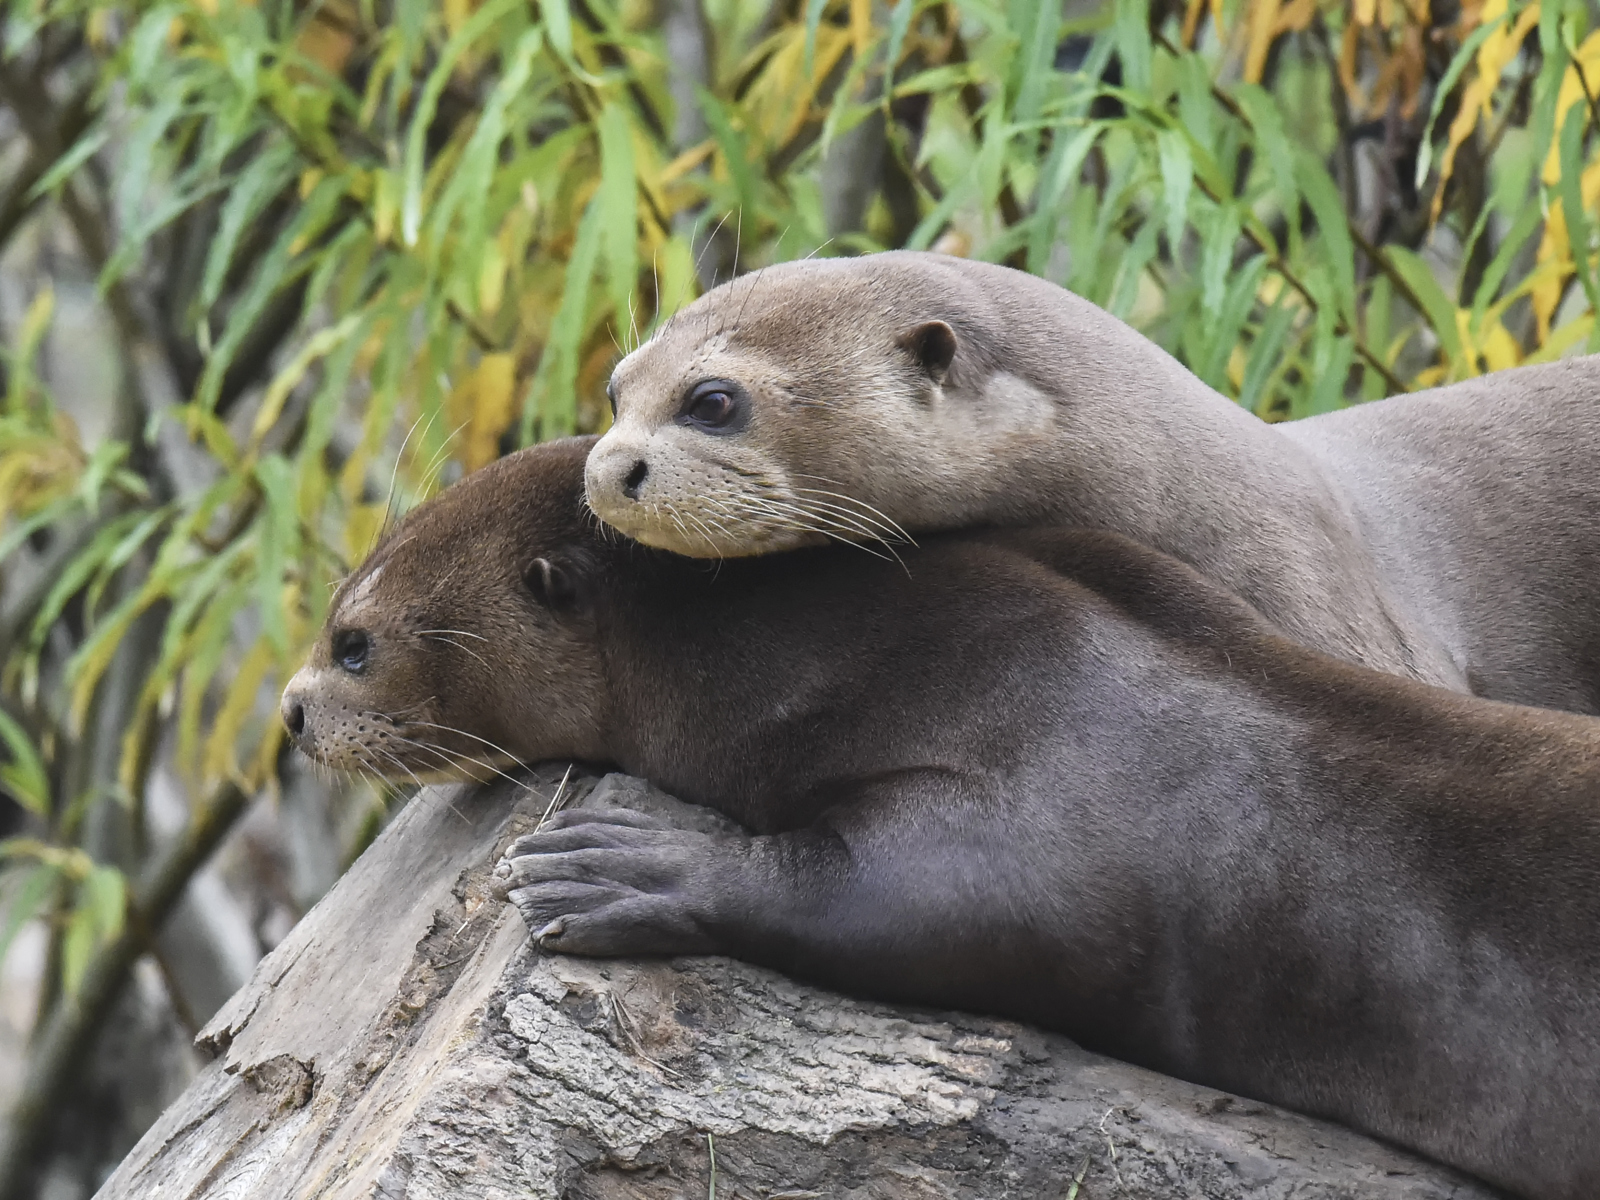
<point x="1042" y="773"/>
<point x="1452" y="536"/>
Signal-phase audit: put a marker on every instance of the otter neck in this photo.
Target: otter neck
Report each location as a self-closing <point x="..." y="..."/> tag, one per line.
<point x="1149" y="451"/>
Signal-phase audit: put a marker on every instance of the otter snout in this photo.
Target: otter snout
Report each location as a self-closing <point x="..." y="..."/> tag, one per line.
<point x="292" y="707"/>
<point x="615" y="476"/>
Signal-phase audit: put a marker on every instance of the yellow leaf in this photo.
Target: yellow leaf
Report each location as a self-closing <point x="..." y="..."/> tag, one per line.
<point x="1563" y="339"/>
<point x="385" y="204"/>
<point x="1555" y="252"/>
<point x="483" y="405"/>
<point x="491" y="280"/>
<point x="456" y="13"/>
<point x="1497" y="52"/>
<point x="1191" y="21"/>
<point x="322" y="343"/>
<point x="361" y="528"/>
<point x="860" y="25"/>
<point x="1237" y="361"/>
<point x="221" y="752"/>
<point x="1294" y="16"/>
<point x="1263" y="27"/>
<point x="1366" y="11"/>
<point x="1571" y="93"/>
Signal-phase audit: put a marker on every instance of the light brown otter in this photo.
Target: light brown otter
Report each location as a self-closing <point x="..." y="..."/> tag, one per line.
<point x="1452" y="536"/>
<point x="1045" y="773"/>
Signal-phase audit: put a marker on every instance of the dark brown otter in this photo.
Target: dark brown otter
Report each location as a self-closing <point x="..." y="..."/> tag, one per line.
<point x="1050" y="774"/>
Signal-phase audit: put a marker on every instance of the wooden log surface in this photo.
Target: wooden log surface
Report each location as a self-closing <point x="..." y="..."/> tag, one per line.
<point x="405" y="1042"/>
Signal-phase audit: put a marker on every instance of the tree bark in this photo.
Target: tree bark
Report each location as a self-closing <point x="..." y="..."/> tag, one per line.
<point x="405" y="1043"/>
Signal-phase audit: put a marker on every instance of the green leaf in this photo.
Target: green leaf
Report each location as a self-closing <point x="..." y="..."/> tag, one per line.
<point x="814" y="10"/>
<point x="1438" y="310"/>
<point x="1331" y="370"/>
<point x="1328" y="207"/>
<point x="1133" y="43"/>
<point x="278" y="544"/>
<point x="1516" y="237"/>
<point x="63" y="168"/>
<point x="619" y="204"/>
<point x="76" y="575"/>
<point x="1571" y="150"/>
<point x="1223" y="325"/>
<point x="553" y="390"/>
<point x="1441" y="93"/>
<point x="734" y="152"/>
<point x="77" y="948"/>
<point x="476" y="26"/>
<point x="1266" y="123"/>
<point x="27" y="900"/>
<point x="105" y="894"/>
<point x="24" y="777"/>
<point x="899" y="25"/>
<point x="1216" y="260"/>
<point x="269" y="172"/>
<point x="1266" y="353"/>
<point x="1034" y="22"/>
<point x="1177" y="177"/>
<point x="277" y="270"/>
<point x="1130" y="271"/>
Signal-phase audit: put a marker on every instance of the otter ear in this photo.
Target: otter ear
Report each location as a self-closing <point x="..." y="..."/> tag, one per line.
<point x="555" y="584"/>
<point x="933" y="345"/>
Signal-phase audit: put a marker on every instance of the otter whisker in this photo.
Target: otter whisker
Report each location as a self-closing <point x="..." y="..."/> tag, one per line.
<point x="863" y="509"/>
<point x="824" y="526"/>
<point x="394" y="475"/>
<point x="463" y="733"/>
<point x="454" y="758"/>
<point x="705" y="533"/>
<point x="555" y="800"/>
<point x="880" y="533"/>
<point x="420" y="786"/>
<point x="438" y="637"/>
<point x="837" y="526"/>
<point x="440" y="458"/>
<point x="818" y="521"/>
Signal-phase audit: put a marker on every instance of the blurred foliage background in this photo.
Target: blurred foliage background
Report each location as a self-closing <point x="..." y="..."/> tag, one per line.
<point x="271" y="270"/>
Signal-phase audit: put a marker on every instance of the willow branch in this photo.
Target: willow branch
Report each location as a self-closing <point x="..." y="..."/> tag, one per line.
<point x="67" y="1036"/>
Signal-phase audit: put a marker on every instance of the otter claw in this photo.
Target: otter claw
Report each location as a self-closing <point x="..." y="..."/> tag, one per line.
<point x="553" y="930"/>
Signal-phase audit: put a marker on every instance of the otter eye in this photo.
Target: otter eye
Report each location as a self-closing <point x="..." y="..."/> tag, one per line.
<point x="350" y="649"/>
<point x="611" y="395"/>
<point x="716" y="406"/>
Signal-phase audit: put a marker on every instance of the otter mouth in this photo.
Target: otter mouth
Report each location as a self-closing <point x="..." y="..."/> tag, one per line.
<point x="403" y="751"/>
<point x="747" y="517"/>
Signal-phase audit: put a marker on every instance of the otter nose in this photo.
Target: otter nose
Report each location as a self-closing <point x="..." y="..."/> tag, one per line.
<point x="295" y="716"/>
<point x="292" y="707"/>
<point x="635" y="479"/>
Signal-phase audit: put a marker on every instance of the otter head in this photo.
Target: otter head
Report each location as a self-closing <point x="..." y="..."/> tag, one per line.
<point x="777" y="411"/>
<point x="465" y="643"/>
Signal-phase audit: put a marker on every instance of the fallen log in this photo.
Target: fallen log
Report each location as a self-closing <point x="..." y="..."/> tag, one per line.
<point x="405" y="1042"/>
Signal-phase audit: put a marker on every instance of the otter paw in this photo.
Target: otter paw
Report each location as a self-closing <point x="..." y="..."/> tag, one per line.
<point x="604" y="888"/>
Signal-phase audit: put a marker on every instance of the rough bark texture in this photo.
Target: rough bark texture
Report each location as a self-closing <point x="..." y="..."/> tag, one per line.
<point x="405" y="1042"/>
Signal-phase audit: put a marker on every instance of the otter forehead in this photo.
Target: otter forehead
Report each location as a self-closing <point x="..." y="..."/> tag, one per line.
<point x="792" y="345"/>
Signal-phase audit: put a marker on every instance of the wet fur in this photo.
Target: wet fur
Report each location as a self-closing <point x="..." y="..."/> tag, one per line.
<point x="1451" y="536"/>
<point x="1044" y="773"/>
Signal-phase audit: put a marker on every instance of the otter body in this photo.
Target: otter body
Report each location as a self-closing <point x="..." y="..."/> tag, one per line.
<point x="1451" y="536"/>
<point x="1043" y="773"/>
